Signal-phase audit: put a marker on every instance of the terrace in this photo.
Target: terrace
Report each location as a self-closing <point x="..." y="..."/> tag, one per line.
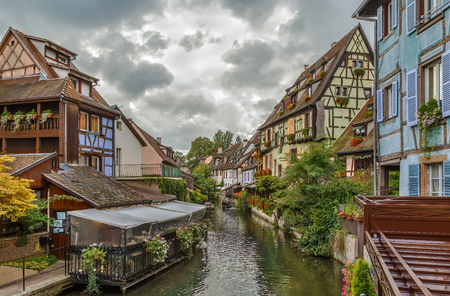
<point x="131" y="171"/>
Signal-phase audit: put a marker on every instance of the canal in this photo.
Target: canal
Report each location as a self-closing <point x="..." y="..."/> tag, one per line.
<point x="243" y="255"/>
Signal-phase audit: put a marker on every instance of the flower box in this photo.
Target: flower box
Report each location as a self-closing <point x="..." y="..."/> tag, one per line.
<point x="356" y="140"/>
<point x="291" y="106"/>
<point x="310" y="80"/>
<point x="359" y="72"/>
<point x="306" y="99"/>
<point x="280" y="113"/>
<point x="341" y="101"/>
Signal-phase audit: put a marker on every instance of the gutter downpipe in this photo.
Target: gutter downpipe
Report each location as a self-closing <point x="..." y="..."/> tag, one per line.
<point x="375" y="87"/>
<point x="65" y="128"/>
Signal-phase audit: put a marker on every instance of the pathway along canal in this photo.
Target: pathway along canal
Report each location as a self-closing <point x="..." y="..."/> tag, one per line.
<point x="243" y="255"/>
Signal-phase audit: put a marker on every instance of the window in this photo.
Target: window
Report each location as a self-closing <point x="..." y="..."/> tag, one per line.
<point x="84" y="159"/>
<point x="95" y="124"/>
<point x="279" y="170"/>
<point x="430" y="5"/>
<point x="119" y="125"/>
<point x="388" y="102"/>
<point x="118" y="156"/>
<point x="358" y="64"/>
<point x="436" y="179"/>
<point x="338" y="91"/>
<point x="363" y="163"/>
<point x="368" y="93"/>
<point x="360" y="131"/>
<point x="433" y="82"/>
<point x="341" y="91"/>
<point x="95" y="162"/>
<point x="307" y="120"/>
<point x="62" y="59"/>
<point x="74" y="82"/>
<point x="83" y="121"/>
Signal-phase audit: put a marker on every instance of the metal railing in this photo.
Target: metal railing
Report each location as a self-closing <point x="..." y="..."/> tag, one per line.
<point x="147" y="170"/>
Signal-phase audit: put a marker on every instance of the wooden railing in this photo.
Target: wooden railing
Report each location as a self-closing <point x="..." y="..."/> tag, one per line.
<point x="24" y="126"/>
<point x="147" y="170"/>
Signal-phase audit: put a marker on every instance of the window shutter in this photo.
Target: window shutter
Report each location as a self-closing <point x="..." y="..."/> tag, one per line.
<point x="411" y="97"/>
<point x="445" y="4"/>
<point x="414" y="180"/>
<point x="304" y="121"/>
<point x="311" y="120"/>
<point x="446" y="165"/>
<point x="446" y="84"/>
<point x="395" y="13"/>
<point x="394" y="98"/>
<point x="410" y="16"/>
<point x="380" y="105"/>
<point x="350" y="63"/>
<point x="291" y="127"/>
<point x="380" y="23"/>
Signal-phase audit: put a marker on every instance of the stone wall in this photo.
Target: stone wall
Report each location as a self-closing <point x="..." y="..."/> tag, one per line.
<point x="8" y="251"/>
<point x="348" y="250"/>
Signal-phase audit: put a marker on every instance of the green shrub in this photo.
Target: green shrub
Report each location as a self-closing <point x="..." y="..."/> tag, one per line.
<point x="197" y="197"/>
<point x="361" y="283"/>
<point x="36" y="263"/>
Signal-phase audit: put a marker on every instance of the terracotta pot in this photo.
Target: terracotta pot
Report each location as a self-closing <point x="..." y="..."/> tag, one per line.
<point x="359" y="219"/>
<point x="34" y="116"/>
<point x="343" y="215"/>
<point x="22" y="117"/>
<point x="350" y="217"/>
<point x="50" y="115"/>
<point x="10" y="118"/>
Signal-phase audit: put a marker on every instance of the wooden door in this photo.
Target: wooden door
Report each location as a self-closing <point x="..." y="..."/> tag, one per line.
<point x="60" y="233"/>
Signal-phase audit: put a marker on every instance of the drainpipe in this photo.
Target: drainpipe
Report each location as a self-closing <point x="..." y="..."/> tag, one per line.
<point x="65" y="128"/>
<point x="375" y="87"/>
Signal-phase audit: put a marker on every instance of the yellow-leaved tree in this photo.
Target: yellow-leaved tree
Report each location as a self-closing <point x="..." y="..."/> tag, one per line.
<point x="16" y="197"/>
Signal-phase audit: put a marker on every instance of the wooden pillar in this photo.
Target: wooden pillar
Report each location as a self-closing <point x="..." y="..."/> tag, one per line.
<point x="4" y="146"/>
<point x="38" y="145"/>
<point x="61" y="129"/>
<point x="382" y="181"/>
<point x="38" y="111"/>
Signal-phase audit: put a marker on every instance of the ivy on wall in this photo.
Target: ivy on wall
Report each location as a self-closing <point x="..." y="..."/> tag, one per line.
<point x="170" y="186"/>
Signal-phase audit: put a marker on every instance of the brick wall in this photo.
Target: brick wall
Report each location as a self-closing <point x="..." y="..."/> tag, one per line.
<point x="8" y="251"/>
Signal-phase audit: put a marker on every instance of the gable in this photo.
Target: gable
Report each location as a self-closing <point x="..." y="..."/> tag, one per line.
<point x="357" y="44"/>
<point x="14" y="60"/>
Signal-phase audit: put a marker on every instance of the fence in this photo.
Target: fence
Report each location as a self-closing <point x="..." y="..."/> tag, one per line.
<point x="147" y="170"/>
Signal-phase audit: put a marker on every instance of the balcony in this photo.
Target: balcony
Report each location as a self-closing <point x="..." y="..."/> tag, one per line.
<point x="131" y="171"/>
<point x="27" y="130"/>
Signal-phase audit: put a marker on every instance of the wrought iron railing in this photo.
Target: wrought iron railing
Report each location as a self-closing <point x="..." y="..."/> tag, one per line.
<point x="147" y="170"/>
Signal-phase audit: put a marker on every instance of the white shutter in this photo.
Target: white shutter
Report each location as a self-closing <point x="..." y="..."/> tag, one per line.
<point x="395" y="13"/>
<point x="445" y="4"/>
<point x="410" y="16"/>
<point x="394" y="99"/>
<point x="445" y="59"/>
<point x="380" y="23"/>
<point x="380" y="105"/>
<point x="411" y="97"/>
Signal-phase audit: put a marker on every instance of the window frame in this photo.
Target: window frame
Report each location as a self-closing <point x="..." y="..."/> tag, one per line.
<point x="87" y="121"/>
<point x="92" y="158"/>
<point x="426" y="82"/>
<point x="98" y="124"/>
<point x="440" y="179"/>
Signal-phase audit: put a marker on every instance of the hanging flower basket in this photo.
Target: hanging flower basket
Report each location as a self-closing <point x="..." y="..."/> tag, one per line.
<point x="290" y="138"/>
<point x="291" y="106"/>
<point x="359" y="72"/>
<point x="342" y="214"/>
<point x="341" y="101"/>
<point x="321" y="74"/>
<point x="306" y="99"/>
<point x="356" y="140"/>
<point x="310" y="80"/>
<point x="280" y="113"/>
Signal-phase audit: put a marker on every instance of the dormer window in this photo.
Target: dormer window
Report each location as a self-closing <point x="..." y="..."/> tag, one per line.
<point x="62" y="59"/>
<point x="360" y="131"/>
<point x="74" y="82"/>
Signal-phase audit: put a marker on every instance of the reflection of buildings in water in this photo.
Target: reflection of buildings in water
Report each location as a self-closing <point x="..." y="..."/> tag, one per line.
<point x="266" y="224"/>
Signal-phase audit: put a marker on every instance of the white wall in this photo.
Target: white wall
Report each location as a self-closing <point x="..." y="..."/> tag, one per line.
<point x="131" y="147"/>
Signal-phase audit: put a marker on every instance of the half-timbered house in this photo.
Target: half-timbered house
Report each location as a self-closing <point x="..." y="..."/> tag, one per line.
<point x="48" y="105"/>
<point x="321" y="102"/>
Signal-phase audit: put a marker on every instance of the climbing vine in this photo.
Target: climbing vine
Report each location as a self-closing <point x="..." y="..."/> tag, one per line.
<point x="170" y="186"/>
<point x="428" y="117"/>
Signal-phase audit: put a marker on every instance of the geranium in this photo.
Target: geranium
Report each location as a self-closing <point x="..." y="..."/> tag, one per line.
<point x="290" y="138"/>
<point x="267" y="144"/>
<point x="342" y="101"/>
<point x="306" y="99"/>
<point x="291" y="106"/>
<point x="310" y="80"/>
<point x="356" y="140"/>
<point x="257" y="156"/>
<point x="238" y="195"/>
<point x="369" y="113"/>
<point x="305" y="132"/>
<point x="359" y="72"/>
<point x="158" y="247"/>
<point x="280" y="113"/>
<point x="321" y="73"/>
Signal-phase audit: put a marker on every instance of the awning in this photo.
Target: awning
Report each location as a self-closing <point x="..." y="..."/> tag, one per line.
<point x="196" y="211"/>
<point x="111" y="217"/>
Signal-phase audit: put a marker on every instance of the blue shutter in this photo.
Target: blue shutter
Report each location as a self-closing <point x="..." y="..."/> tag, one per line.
<point x="380" y="105"/>
<point x="395" y="13"/>
<point x="445" y="4"/>
<point x="411" y="97"/>
<point x="380" y="23"/>
<point x="410" y="16"/>
<point x="394" y="98"/>
<point x="414" y="180"/>
<point x="446" y="166"/>
<point x="445" y="59"/>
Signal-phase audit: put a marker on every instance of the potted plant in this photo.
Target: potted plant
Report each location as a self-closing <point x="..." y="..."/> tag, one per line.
<point x="31" y="115"/>
<point x="321" y="73"/>
<point x="342" y="101"/>
<point x="359" y="72"/>
<point x="4" y="118"/>
<point x="305" y="132"/>
<point x="267" y="144"/>
<point x="18" y="117"/>
<point x="257" y="156"/>
<point x="428" y="116"/>
<point x="291" y="106"/>
<point x="280" y="113"/>
<point x="356" y="140"/>
<point x="358" y="215"/>
<point x="45" y="115"/>
<point x="349" y="212"/>
<point x="309" y="81"/>
<point x="290" y="138"/>
<point x="306" y="99"/>
<point x="369" y="113"/>
<point x="268" y="172"/>
<point x="342" y="213"/>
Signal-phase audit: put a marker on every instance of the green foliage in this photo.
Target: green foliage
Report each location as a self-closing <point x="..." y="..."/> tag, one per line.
<point x="427" y="119"/>
<point x="175" y="187"/>
<point x="181" y="155"/>
<point x="200" y="148"/>
<point x="197" y="197"/>
<point x="158" y="248"/>
<point x="242" y="201"/>
<point x="202" y="175"/>
<point x="223" y="139"/>
<point x="361" y="283"/>
<point x="269" y="185"/>
<point x="36" y="263"/>
<point x="238" y="140"/>
<point x="394" y="181"/>
<point x="190" y="236"/>
<point x="91" y="256"/>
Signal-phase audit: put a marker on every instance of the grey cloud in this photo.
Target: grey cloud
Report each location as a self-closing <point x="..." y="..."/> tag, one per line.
<point x="265" y="105"/>
<point x="198" y="40"/>
<point x="155" y="41"/>
<point x="252" y="66"/>
<point x="256" y="12"/>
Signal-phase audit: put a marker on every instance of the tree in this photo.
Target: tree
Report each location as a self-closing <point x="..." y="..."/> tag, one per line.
<point x="16" y="197"/>
<point x="223" y="139"/>
<point x="238" y="140"/>
<point x="200" y="148"/>
<point x="361" y="283"/>
<point x="179" y="154"/>
<point x="268" y="185"/>
<point x="202" y="174"/>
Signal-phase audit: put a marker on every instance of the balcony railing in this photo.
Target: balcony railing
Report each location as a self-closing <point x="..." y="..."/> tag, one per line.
<point x="147" y="170"/>
<point x="35" y="125"/>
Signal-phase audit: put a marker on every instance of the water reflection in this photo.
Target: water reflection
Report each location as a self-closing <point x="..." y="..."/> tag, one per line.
<point x="244" y="255"/>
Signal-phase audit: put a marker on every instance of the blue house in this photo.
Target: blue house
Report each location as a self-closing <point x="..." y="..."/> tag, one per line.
<point x="413" y="89"/>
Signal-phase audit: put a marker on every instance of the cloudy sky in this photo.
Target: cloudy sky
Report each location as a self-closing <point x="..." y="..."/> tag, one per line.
<point x="186" y="68"/>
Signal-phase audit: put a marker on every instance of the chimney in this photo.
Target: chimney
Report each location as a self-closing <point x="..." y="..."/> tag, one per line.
<point x="245" y="142"/>
<point x="306" y="67"/>
<point x="158" y="139"/>
<point x="333" y="44"/>
<point x="219" y="149"/>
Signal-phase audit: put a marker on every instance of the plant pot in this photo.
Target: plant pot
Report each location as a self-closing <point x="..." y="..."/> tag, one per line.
<point x="10" y="118"/>
<point x="50" y="115"/>
<point x="350" y="217"/>
<point x="22" y="117"/>
<point x="359" y="219"/>
<point x="343" y="215"/>
<point x="34" y="116"/>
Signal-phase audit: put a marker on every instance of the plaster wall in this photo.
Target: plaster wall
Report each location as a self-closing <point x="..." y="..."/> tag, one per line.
<point x="131" y="147"/>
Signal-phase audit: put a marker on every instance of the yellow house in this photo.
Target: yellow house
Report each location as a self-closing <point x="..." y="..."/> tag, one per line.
<point x="321" y="102"/>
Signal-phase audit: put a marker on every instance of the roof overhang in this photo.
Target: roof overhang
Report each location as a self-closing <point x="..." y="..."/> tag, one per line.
<point x="367" y="9"/>
<point x="34" y="164"/>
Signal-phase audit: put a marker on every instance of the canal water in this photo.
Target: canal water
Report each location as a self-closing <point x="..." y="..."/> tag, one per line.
<point x="243" y="255"/>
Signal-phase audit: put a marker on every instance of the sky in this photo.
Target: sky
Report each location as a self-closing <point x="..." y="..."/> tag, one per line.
<point x="183" y="69"/>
